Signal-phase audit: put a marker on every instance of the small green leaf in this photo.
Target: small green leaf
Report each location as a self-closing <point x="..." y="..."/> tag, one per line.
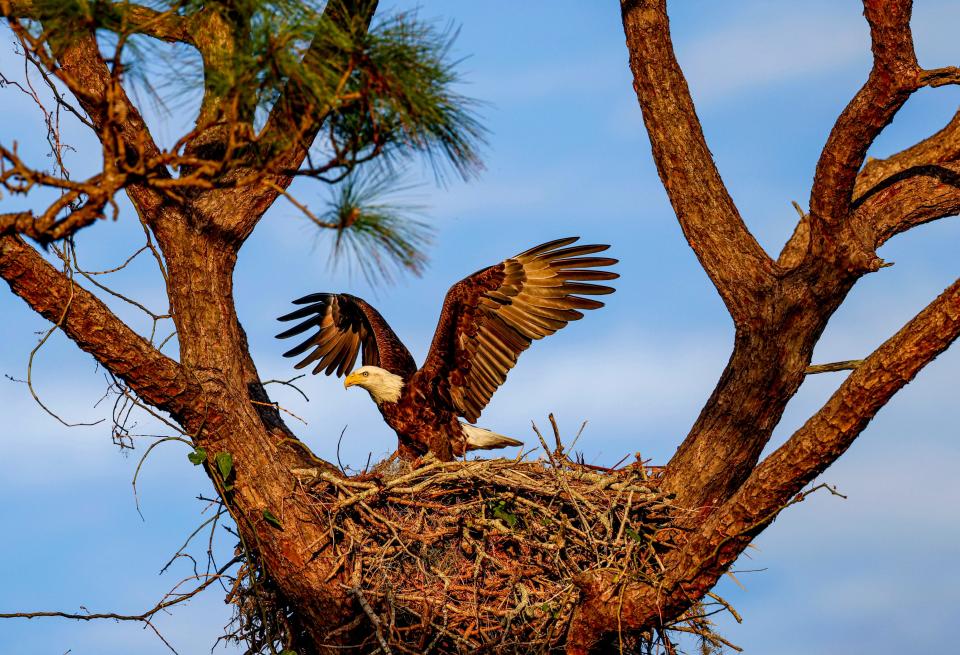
<point x="224" y="464"/>
<point x="272" y="520"/>
<point x="197" y="457"/>
<point x="501" y="510"/>
<point x="633" y="534"/>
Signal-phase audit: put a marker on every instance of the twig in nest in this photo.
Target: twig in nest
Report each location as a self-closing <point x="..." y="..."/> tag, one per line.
<point x="374" y="619"/>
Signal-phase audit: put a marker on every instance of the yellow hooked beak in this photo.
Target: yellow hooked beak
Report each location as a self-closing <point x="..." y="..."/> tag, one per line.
<point x="351" y="380"/>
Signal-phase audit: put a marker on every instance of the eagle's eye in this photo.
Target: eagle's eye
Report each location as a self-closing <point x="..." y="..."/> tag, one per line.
<point x="366" y="373"/>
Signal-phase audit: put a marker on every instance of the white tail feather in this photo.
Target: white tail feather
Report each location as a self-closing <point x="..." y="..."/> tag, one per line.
<point x="483" y="439"/>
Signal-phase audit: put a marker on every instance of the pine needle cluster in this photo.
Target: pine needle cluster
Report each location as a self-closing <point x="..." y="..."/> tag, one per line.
<point x="362" y="95"/>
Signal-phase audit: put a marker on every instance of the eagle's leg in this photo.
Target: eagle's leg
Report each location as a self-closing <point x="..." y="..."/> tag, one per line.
<point x="409" y="450"/>
<point x="440" y="446"/>
<point x="411" y="447"/>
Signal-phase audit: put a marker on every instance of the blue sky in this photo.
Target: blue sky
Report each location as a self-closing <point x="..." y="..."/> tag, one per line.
<point x="567" y="155"/>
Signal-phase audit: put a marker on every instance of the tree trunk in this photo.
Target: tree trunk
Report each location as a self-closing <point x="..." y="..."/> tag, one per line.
<point x="213" y="346"/>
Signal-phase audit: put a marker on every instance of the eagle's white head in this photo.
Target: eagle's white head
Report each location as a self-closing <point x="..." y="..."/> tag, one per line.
<point x="384" y="386"/>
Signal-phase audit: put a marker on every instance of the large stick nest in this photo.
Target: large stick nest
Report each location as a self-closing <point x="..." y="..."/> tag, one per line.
<point x="483" y="555"/>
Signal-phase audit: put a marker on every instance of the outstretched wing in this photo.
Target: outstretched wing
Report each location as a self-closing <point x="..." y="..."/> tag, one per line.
<point x="345" y="324"/>
<point x="492" y="316"/>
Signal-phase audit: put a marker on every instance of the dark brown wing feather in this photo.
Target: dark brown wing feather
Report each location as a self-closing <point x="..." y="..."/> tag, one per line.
<point x="345" y="324"/>
<point x="492" y="316"/>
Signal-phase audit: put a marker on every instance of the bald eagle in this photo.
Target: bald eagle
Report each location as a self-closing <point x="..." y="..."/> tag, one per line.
<point x="486" y="321"/>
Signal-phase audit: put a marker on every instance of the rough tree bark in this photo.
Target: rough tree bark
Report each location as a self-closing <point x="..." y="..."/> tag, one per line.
<point x="779" y="307"/>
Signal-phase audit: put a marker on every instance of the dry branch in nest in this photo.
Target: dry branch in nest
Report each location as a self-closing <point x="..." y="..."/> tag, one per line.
<point x="483" y="555"/>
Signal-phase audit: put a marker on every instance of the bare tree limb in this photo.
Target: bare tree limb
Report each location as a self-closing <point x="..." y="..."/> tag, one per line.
<point x="939" y="148"/>
<point x="907" y="199"/>
<point x="733" y="259"/>
<point x="894" y="76"/>
<point x="833" y="367"/>
<point x="915" y="186"/>
<point x="829" y="432"/>
<point x="154" y="377"/>
<point x="172" y="598"/>
<point x="934" y="77"/>
<point x="82" y="202"/>
<point x="777" y="482"/>
<point x="44" y="229"/>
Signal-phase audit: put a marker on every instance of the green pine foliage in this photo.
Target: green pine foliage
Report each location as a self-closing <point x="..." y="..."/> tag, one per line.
<point x="375" y="233"/>
<point x="365" y="97"/>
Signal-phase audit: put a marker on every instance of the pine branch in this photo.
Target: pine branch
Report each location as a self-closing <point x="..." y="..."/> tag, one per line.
<point x="375" y="234"/>
<point x="118" y="17"/>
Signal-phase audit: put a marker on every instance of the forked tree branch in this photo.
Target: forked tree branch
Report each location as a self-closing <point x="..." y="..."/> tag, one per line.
<point x="156" y="378"/>
<point x="841" y="187"/>
<point x="726" y="441"/>
<point x="613" y="604"/>
<point x="894" y="76"/>
<point x="827" y="434"/>
<point x="735" y="262"/>
<point x="915" y="186"/>
<point x="296" y="101"/>
<point x="286" y="138"/>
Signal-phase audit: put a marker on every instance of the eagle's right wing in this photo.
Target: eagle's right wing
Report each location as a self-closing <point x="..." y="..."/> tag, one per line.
<point x="490" y="317"/>
<point x="345" y="324"/>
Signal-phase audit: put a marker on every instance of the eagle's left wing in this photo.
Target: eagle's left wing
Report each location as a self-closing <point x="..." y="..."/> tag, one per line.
<point x="492" y="316"/>
<point x="345" y="325"/>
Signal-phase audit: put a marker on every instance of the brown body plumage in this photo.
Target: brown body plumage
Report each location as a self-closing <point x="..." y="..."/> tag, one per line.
<point x="487" y="320"/>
